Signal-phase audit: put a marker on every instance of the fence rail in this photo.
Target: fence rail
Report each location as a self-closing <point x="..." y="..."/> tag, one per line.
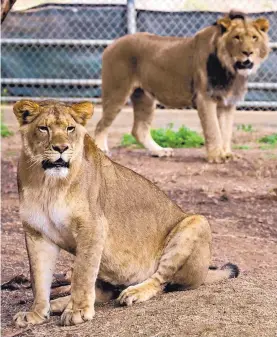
<point x="55" y="51"/>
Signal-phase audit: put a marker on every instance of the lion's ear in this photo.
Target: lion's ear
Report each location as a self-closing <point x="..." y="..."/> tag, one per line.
<point x="82" y="112"/>
<point x="25" y="111"/>
<point x="262" y="24"/>
<point x="225" y="23"/>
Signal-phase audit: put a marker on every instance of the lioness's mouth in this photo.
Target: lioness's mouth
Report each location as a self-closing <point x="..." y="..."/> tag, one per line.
<point x="244" y="65"/>
<point x="46" y="164"/>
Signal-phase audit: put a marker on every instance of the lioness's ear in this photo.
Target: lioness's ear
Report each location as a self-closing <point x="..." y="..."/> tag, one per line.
<point x="262" y="24"/>
<point x="225" y="23"/>
<point x="82" y="112"/>
<point x="25" y="111"/>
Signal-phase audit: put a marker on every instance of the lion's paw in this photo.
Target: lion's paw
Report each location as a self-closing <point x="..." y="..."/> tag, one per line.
<point x="23" y="319"/>
<point x="232" y="156"/>
<point x="137" y="294"/>
<point x="216" y="156"/>
<point x="77" y="316"/>
<point x="163" y="152"/>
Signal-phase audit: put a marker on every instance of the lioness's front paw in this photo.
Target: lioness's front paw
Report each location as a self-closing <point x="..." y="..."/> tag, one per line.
<point x="163" y="152"/>
<point x="77" y="316"/>
<point x="138" y="293"/>
<point x="23" y="319"/>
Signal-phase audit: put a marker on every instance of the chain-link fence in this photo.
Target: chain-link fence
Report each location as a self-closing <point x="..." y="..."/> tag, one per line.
<point x="54" y="50"/>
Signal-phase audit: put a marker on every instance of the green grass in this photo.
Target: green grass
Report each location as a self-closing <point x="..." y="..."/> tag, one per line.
<point x="245" y="127"/>
<point x="270" y="139"/>
<point x="242" y="147"/>
<point x="5" y="132"/>
<point x="267" y="147"/>
<point x="167" y="137"/>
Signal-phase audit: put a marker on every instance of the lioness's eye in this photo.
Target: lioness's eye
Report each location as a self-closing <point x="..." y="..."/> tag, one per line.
<point x="255" y="37"/>
<point x="237" y="37"/>
<point x="70" y="128"/>
<point x="43" y="128"/>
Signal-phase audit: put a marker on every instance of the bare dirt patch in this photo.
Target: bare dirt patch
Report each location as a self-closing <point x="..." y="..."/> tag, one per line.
<point x="241" y="205"/>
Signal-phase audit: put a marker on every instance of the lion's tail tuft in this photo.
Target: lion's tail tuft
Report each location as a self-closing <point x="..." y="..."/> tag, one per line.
<point x="229" y="270"/>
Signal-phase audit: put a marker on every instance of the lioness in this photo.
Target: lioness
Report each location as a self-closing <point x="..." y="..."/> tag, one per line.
<point x="123" y="230"/>
<point x="208" y="71"/>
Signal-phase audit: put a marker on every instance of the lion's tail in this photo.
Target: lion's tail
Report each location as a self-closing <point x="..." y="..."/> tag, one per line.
<point x="229" y="270"/>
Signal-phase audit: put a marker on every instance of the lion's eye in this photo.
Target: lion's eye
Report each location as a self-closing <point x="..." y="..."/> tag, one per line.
<point x="70" y="128"/>
<point x="237" y="37"/>
<point x="255" y="37"/>
<point x="43" y="128"/>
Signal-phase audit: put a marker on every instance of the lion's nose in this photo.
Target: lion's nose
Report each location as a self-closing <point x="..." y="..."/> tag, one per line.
<point x="247" y="53"/>
<point x="60" y="148"/>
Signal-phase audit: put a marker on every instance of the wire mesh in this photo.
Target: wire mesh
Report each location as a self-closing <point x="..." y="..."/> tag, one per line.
<point x="55" y="49"/>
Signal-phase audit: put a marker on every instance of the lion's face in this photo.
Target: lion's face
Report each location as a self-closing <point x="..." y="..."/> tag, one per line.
<point x="52" y="133"/>
<point x="243" y="45"/>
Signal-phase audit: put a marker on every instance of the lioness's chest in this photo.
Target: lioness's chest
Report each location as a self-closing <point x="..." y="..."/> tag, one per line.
<point x="50" y="218"/>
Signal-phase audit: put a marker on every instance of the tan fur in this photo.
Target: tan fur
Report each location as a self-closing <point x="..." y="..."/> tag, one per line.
<point x="174" y="72"/>
<point x="121" y="227"/>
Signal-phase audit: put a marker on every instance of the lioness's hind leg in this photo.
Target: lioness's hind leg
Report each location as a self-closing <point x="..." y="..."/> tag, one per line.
<point x="144" y="105"/>
<point x="185" y="260"/>
<point x="104" y="292"/>
<point x="58" y="305"/>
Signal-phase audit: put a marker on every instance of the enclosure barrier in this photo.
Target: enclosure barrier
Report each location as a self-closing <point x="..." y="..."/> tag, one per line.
<point x="39" y="64"/>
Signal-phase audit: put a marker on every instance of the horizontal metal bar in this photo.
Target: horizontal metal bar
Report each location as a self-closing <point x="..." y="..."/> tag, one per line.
<point x="257" y="104"/>
<point x="64" y="99"/>
<point x="51" y="81"/>
<point x="76" y="42"/>
<point x="57" y="42"/>
<point x="261" y="85"/>
<point x="245" y="104"/>
<point x="98" y="82"/>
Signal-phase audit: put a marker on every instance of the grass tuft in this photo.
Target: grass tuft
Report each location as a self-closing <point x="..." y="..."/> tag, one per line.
<point x="242" y="147"/>
<point x="167" y="137"/>
<point x="270" y="139"/>
<point x="5" y="132"/>
<point x="245" y="127"/>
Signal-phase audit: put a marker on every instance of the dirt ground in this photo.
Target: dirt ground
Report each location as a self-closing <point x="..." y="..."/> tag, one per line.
<point x="239" y="200"/>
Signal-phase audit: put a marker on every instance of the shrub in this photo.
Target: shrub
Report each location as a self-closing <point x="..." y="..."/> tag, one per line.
<point x="167" y="137"/>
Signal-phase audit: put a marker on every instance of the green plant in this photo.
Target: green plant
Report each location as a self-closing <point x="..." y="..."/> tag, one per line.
<point x="267" y="146"/>
<point x="270" y="139"/>
<point x="129" y="140"/>
<point x="245" y="127"/>
<point x="167" y="137"/>
<point x="241" y="147"/>
<point x="5" y="132"/>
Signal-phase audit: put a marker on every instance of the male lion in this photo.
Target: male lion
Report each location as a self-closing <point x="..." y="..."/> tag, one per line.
<point x="123" y="230"/>
<point x="209" y="71"/>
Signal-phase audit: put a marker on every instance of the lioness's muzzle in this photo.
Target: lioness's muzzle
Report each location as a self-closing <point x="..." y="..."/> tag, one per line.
<point x="46" y="164"/>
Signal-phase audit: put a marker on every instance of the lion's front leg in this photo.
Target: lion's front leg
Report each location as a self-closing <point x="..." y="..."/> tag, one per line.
<point x="207" y="111"/>
<point x="226" y="119"/>
<point x="86" y="266"/>
<point x="42" y="257"/>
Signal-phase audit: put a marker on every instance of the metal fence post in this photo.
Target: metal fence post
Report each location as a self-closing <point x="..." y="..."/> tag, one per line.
<point x="131" y="17"/>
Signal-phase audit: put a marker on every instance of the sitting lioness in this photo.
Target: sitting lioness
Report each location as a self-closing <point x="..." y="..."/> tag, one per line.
<point x="122" y="229"/>
<point x="208" y="71"/>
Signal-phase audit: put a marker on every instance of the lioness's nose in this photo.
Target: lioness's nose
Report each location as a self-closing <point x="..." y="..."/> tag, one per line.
<point x="247" y="53"/>
<point x="60" y="147"/>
